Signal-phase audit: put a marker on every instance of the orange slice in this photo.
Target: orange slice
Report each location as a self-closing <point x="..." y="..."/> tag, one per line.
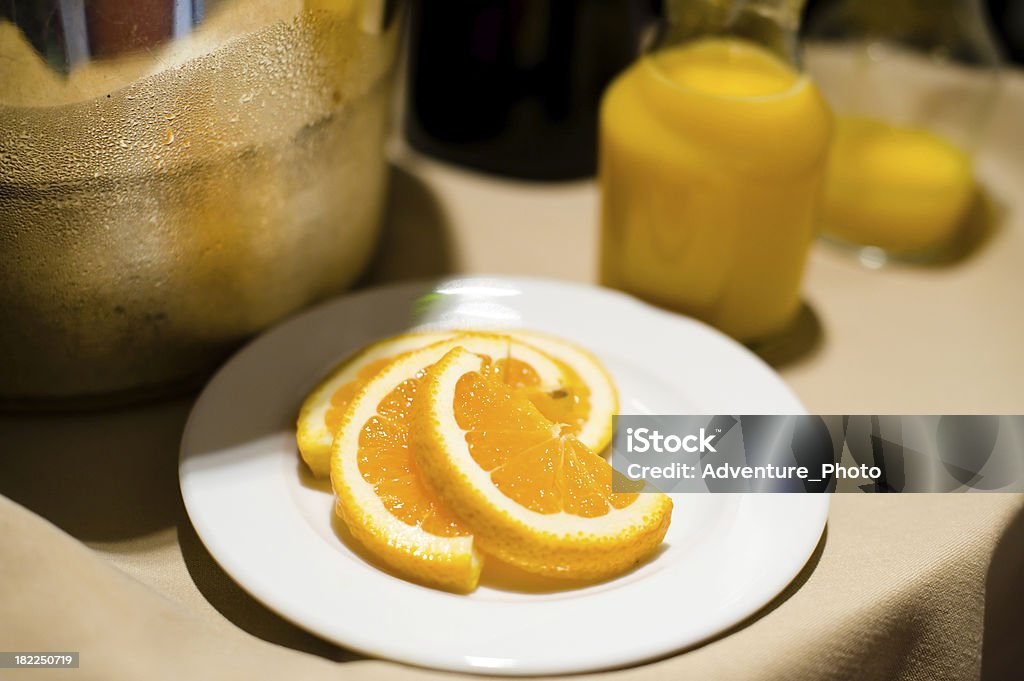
<point x="590" y="400"/>
<point x="322" y="411"/>
<point x="530" y="491"/>
<point x="375" y="475"/>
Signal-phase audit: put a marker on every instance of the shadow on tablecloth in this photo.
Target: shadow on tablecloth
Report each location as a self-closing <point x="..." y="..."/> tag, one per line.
<point x="1002" y="654"/>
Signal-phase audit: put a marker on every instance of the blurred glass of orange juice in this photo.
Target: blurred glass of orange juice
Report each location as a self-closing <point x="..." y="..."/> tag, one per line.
<point x="712" y="158"/>
<point x="902" y="189"/>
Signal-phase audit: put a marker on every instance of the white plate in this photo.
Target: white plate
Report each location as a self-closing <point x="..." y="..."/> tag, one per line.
<point x="273" y="531"/>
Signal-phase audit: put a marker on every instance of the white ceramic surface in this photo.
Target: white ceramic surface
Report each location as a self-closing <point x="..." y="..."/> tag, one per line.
<point x="272" y="528"/>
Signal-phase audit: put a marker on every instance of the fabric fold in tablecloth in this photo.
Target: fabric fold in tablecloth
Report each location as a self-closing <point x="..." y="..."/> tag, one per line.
<point x="896" y="591"/>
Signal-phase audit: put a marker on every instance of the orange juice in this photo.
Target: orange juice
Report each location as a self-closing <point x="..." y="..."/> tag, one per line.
<point x="712" y="158"/>
<point x="901" y="189"/>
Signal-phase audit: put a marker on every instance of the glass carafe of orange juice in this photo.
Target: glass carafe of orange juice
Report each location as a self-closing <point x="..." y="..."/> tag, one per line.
<point x="712" y="154"/>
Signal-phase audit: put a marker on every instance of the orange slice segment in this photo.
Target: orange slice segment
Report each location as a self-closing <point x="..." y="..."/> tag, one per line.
<point x="530" y="491"/>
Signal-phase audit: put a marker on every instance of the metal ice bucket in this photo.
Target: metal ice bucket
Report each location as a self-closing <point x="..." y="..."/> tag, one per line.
<point x="176" y="175"/>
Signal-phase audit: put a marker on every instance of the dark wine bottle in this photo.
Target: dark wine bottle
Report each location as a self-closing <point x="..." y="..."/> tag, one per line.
<point x="513" y="86"/>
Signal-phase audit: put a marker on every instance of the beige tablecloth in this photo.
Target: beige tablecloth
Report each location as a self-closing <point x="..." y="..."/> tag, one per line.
<point x="914" y="587"/>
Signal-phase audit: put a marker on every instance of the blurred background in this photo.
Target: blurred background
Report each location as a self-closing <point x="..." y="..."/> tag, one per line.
<point x="1006" y="17"/>
<point x="537" y="70"/>
<point x="177" y="175"/>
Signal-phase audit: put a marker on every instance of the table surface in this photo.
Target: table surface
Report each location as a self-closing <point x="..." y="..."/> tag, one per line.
<point x="905" y="584"/>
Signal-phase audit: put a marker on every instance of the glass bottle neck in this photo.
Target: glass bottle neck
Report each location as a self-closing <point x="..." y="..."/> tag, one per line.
<point x="771" y="24"/>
